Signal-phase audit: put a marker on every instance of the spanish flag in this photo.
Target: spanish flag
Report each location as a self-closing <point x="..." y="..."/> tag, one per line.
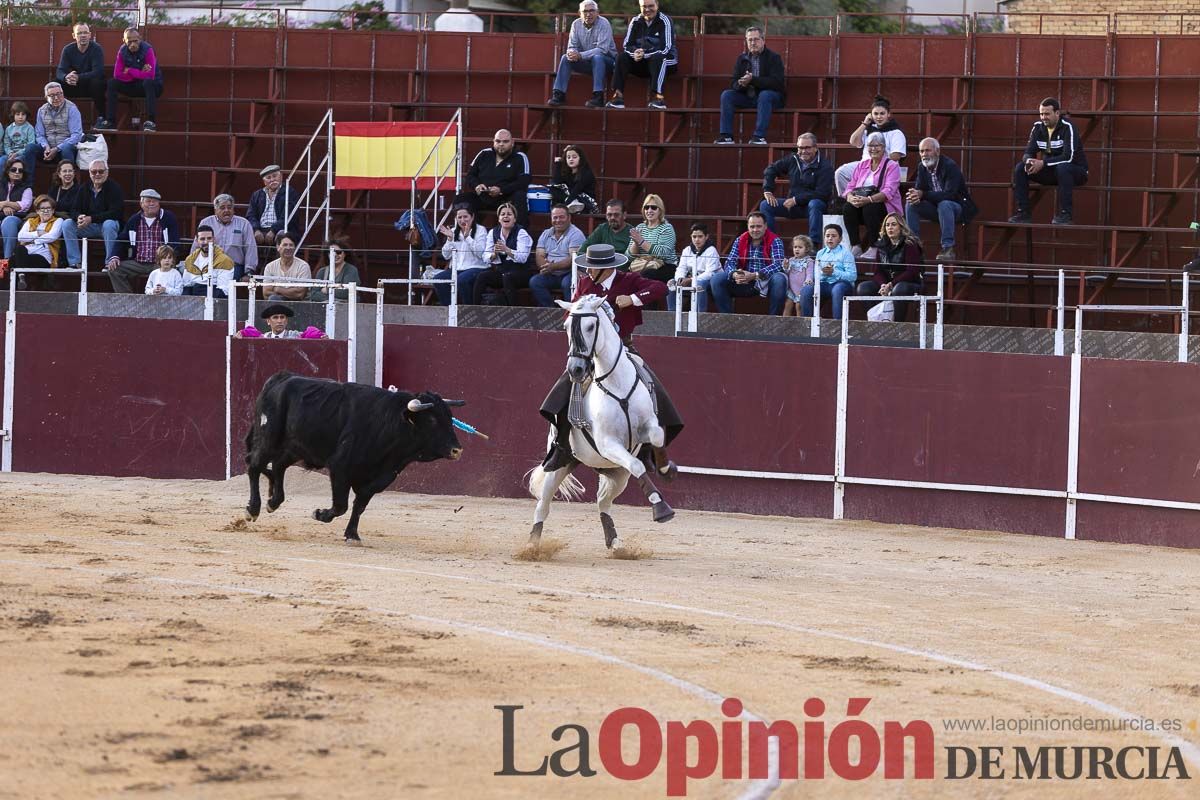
<point x="387" y="155"/>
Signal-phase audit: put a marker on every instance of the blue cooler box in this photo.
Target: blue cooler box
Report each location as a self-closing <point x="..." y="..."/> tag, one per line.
<point x="539" y="199"/>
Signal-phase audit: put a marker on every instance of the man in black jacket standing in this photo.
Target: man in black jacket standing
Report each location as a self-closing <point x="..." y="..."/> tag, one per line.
<point x="1053" y="157"/>
<point x="81" y="68"/>
<point x="810" y="186"/>
<point x="758" y="82"/>
<point x="649" y="51"/>
<point x="940" y="193"/>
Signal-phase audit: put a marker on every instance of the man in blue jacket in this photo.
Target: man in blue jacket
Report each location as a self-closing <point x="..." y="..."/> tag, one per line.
<point x="649" y="51"/>
<point x="758" y="82"/>
<point x="940" y="193"/>
<point x="81" y="68"/>
<point x="810" y="185"/>
<point x="270" y="206"/>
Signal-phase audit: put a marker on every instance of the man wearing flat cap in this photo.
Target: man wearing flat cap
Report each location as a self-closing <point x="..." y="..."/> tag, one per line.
<point x="626" y="292"/>
<point x="270" y="205"/>
<point x="143" y="234"/>
<point x="277" y="316"/>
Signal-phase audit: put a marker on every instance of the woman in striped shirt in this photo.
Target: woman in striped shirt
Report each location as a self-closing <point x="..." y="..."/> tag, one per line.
<point x="652" y="243"/>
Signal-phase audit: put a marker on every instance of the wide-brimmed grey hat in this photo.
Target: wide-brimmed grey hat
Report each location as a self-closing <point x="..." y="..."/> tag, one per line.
<point x="265" y="171"/>
<point x="601" y="256"/>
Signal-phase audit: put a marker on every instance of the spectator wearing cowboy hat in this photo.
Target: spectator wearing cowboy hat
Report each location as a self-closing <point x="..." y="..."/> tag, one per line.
<point x="277" y="316"/>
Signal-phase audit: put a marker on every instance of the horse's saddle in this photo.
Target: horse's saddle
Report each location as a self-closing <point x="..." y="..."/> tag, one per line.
<point x="575" y="413"/>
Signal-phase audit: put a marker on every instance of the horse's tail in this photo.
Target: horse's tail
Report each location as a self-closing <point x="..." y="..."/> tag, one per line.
<point x="570" y="488"/>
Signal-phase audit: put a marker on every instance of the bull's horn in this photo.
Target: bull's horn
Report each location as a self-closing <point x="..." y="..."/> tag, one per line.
<point x="455" y="402"/>
<point x="417" y="405"/>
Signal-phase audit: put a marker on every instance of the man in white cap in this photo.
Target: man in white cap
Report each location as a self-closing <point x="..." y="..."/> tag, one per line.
<point x="143" y="234"/>
<point x="270" y="205"/>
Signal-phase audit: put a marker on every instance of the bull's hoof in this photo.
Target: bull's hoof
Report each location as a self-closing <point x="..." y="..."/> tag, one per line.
<point x="535" y="533"/>
<point x="354" y="541"/>
<point x="250" y="514"/>
<point x="663" y="512"/>
<point x="610" y="530"/>
<point x="323" y="515"/>
<point x="271" y="507"/>
<point x="669" y="472"/>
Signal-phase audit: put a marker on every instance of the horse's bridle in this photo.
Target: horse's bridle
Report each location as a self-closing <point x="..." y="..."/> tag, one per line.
<point x="576" y="335"/>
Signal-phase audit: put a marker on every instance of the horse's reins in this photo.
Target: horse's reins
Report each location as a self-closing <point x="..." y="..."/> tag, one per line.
<point x="576" y="336"/>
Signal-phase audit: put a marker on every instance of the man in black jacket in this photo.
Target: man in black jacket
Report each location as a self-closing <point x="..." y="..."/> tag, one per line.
<point x="81" y="68"/>
<point x="649" y="51"/>
<point x="758" y="82"/>
<point x="810" y="186"/>
<point x="940" y="193"/>
<point x="498" y="175"/>
<point x="1053" y="157"/>
<point x="99" y="209"/>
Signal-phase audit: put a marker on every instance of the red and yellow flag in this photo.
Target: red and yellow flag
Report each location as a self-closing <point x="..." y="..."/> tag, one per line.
<point x="387" y="155"/>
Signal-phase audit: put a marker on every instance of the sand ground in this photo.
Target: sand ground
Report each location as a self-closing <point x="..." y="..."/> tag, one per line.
<point x="152" y="644"/>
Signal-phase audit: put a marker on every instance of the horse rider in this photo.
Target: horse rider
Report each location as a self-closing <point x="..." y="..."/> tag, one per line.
<point x="626" y="292"/>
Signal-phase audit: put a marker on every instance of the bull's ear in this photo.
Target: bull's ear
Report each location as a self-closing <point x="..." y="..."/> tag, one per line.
<point x="455" y="403"/>
<point x="416" y="405"/>
<point x="563" y="304"/>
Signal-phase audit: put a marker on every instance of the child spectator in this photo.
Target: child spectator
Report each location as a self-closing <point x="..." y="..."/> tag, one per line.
<point x="166" y="280"/>
<point x="801" y="272"/>
<point x="835" y="268"/>
<point x="19" y="134"/>
<point x="698" y="262"/>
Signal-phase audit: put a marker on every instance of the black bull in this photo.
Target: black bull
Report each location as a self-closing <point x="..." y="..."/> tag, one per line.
<point x="365" y="436"/>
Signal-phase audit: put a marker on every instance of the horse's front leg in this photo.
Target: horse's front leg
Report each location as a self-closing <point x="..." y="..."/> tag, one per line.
<point x="610" y="449"/>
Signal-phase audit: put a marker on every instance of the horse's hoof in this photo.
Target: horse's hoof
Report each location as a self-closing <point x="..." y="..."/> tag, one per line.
<point x="615" y="544"/>
<point x="610" y="530"/>
<point x="669" y="472"/>
<point x="663" y="512"/>
<point x="535" y="534"/>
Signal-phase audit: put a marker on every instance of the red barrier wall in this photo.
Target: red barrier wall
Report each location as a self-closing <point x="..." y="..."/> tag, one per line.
<point x="252" y="361"/>
<point x="117" y="396"/>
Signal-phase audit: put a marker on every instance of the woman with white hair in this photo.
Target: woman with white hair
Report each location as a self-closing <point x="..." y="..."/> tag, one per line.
<point x="873" y="193"/>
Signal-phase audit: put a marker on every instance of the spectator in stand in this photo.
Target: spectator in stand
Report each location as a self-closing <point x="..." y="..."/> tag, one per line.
<point x="651" y="248"/>
<point x="39" y="240"/>
<point x="466" y="249"/>
<point x="19" y="134"/>
<point x="18" y="200"/>
<point x="698" y="263"/>
<point x="286" y="266"/>
<point x="509" y="246"/>
<point x="873" y="191"/>
<point x="99" y="209"/>
<point x="136" y="73"/>
<point x="810" y="185"/>
<point x="898" y="269"/>
<point x="207" y="262"/>
<point x="81" y="69"/>
<point x="614" y="230"/>
<point x="144" y="234"/>
<point x="758" y="82"/>
<point x="458" y="19"/>
<point x="343" y="272"/>
<point x="591" y="50"/>
<point x="65" y="189"/>
<point x="648" y="52"/>
<point x="801" y="271"/>
<point x="167" y="279"/>
<point x="270" y="206"/>
<point x="754" y="267"/>
<point x="499" y="174"/>
<point x="234" y="235"/>
<point x="57" y="130"/>
<point x="879" y="120"/>
<point x="940" y="193"/>
<point x="1053" y="157"/>
<point x="556" y="249"/>
<point x="837" y="271"/>
<point x="574" y="183"/>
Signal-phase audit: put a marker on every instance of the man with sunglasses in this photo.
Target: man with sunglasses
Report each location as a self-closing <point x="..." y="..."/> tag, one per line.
<point x="98" y="212"/>
<point x="810" y="185"/>
<point x="57" y="132"/>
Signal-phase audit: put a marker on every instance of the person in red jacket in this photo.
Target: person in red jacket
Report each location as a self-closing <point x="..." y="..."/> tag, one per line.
<point x="626" y="292"/>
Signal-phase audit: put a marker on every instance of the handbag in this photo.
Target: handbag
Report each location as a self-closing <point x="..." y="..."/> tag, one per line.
<point x="91" y="148"/>
<point x="882" y="312"/>
<point x="643" y="263"/>
<point x="865" y="191"/>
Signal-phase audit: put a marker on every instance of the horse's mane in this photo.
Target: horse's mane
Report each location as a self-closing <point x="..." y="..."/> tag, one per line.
<point x="596" y="302"/>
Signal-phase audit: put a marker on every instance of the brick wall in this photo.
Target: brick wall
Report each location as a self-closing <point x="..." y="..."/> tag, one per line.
<point x="1092" y="17"/>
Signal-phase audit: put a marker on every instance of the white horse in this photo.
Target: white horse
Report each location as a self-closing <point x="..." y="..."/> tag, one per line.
<point x="619" y="412"/>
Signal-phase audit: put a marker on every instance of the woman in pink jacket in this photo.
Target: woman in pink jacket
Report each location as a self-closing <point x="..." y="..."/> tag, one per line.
<point x="873" y="192"/>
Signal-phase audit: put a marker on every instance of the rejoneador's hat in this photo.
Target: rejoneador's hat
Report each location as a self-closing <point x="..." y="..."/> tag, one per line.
<point x="601" y="256"/>
<point x="151" y="193"/>
<point x="276" y="308"/>
<point x="265" y="171"/>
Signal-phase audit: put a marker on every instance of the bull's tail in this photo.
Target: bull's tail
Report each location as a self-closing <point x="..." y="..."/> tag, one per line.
<point x="570" y="488"/>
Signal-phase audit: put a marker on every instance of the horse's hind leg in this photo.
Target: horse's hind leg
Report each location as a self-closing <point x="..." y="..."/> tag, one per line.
<point x="612" y="483"/>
